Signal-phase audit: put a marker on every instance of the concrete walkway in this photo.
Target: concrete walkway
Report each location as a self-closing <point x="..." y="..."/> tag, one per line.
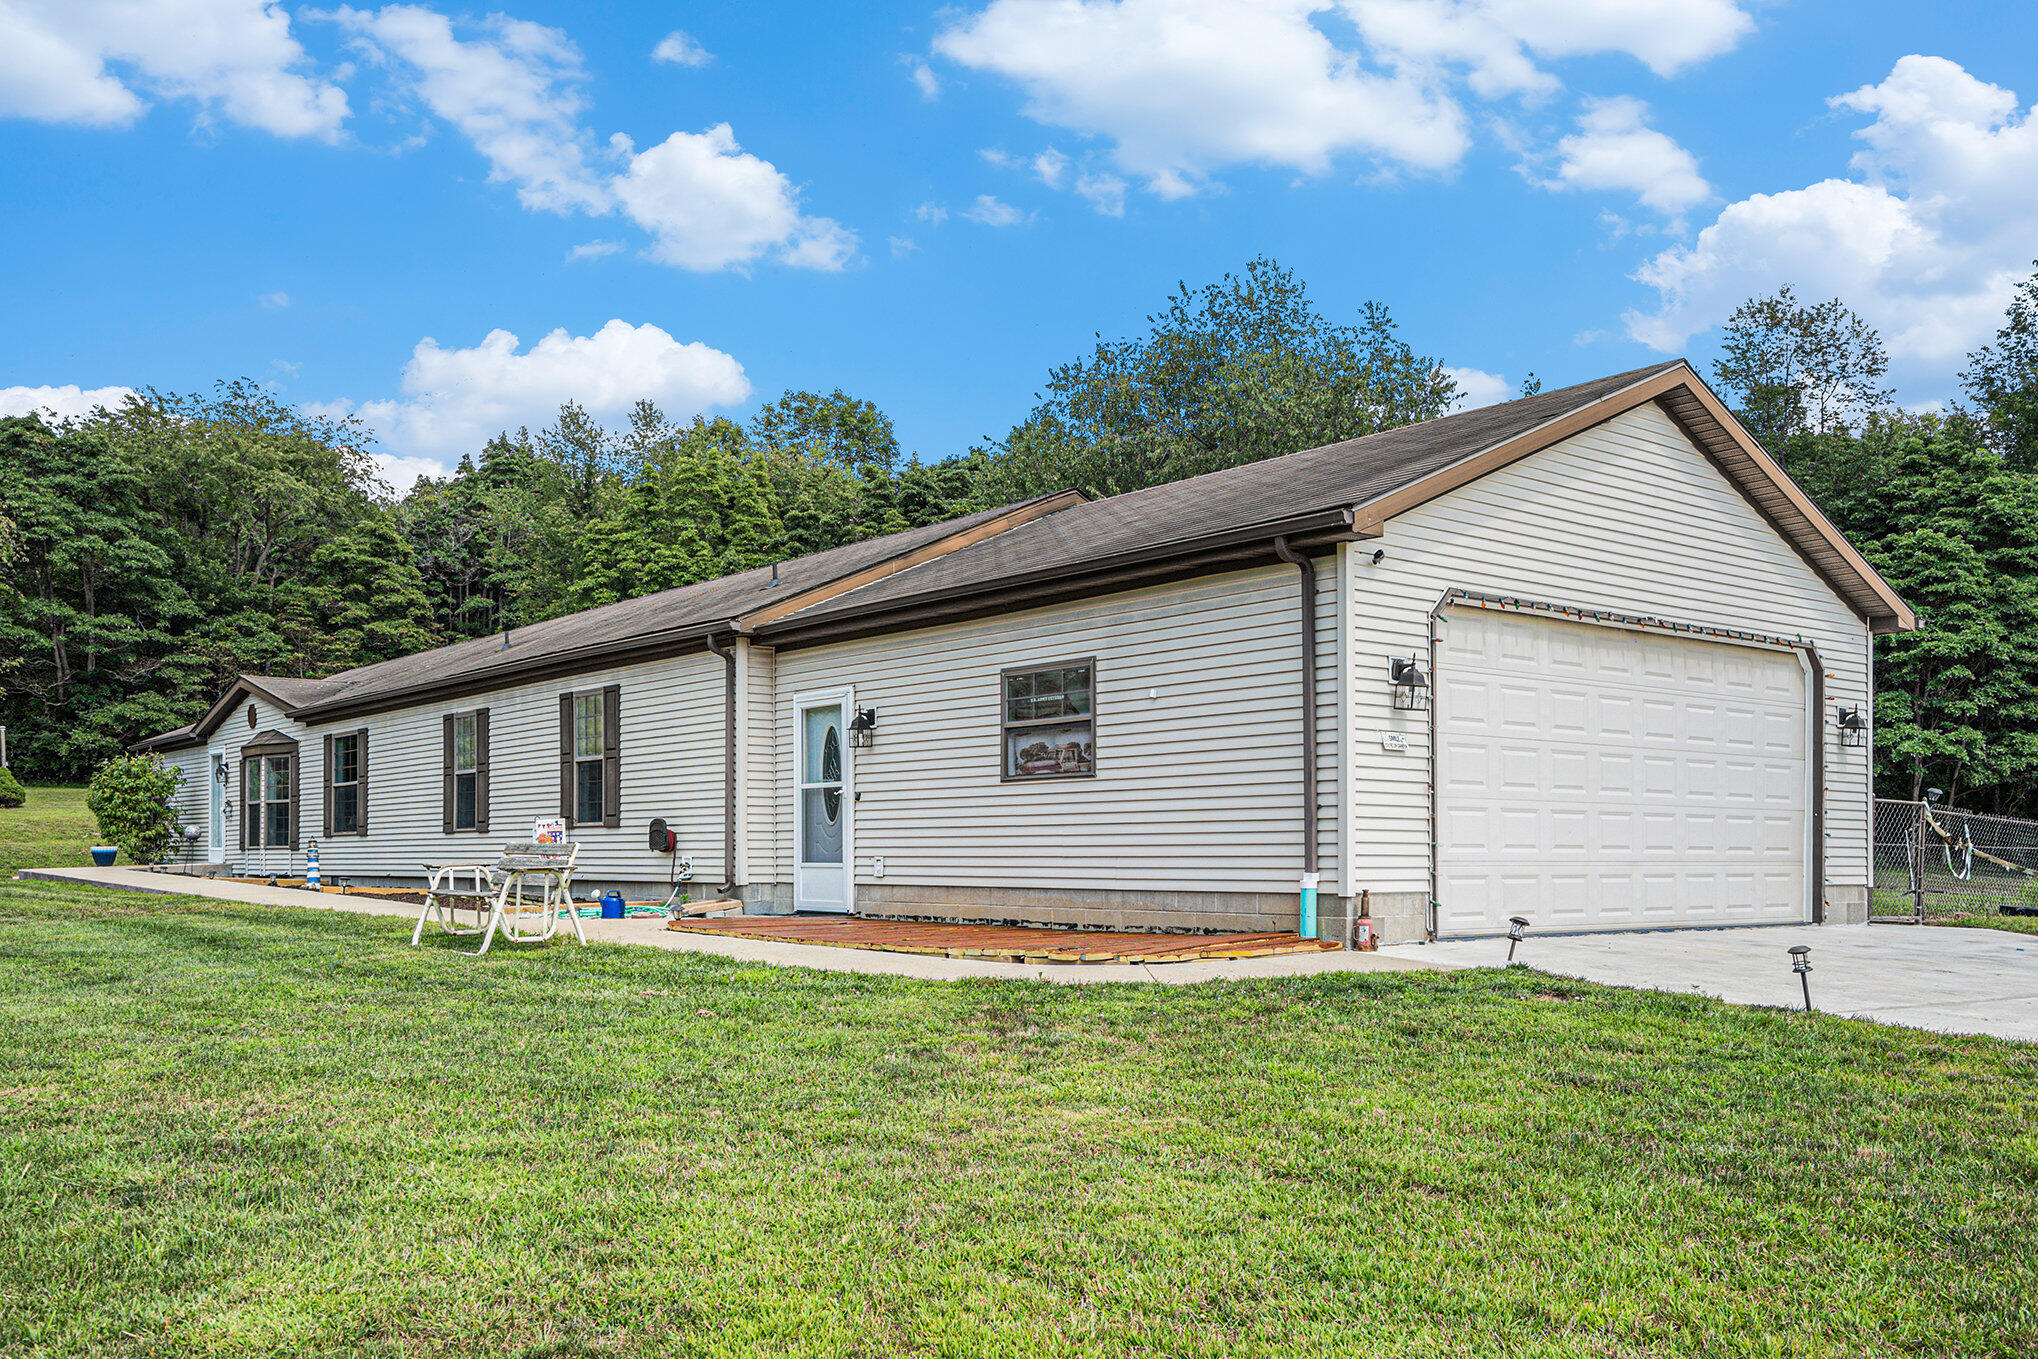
<point x="651" y="933"/>
<point x="1948" y="979"/>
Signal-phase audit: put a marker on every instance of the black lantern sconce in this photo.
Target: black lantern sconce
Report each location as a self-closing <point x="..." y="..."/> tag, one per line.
<point x="1411" y="686"/>
<point x="1801" y="963"/>
<point x="1853" y="727"/>
<point x="862" y="728"/>
<point x="1516" y="927"/>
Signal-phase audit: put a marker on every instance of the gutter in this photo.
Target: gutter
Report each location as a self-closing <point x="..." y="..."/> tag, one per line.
<point x="728" y="655"/>
<point x="1306" y="923"/>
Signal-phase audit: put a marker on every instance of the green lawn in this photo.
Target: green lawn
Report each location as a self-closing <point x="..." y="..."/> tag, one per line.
<point x="244" y="1131"/>
<point x="51" y="829"/>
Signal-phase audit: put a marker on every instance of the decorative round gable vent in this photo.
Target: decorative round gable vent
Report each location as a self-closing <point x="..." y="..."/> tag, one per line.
<point x="251" y="717"/>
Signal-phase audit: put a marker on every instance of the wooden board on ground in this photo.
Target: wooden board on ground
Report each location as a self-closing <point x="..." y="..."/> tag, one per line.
<point x="998" y="943"/>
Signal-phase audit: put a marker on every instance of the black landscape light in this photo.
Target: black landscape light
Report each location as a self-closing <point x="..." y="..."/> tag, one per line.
<point x="1411" y="686"/>
<point x="1516" y="926"/>
<point x="1801" y="963"/>
<point x="1853" y="727"/>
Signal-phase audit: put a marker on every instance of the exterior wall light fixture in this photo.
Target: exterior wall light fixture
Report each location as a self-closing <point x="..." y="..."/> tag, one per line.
<point x="862" y="728"/>
<point x="1853" y="727"/>
<point x="1411" y="686"/>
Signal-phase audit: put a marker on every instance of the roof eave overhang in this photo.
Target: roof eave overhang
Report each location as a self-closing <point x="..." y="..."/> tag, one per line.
<point x="1154" y="564"/>
<point x="677" y="641"/>
<point x="1712" y="428"/>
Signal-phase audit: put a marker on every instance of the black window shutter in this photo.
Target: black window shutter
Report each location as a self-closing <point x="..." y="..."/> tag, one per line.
<point x="361" y="772"/>
<point x="293" y="801"/>
<point x="481" y="770"/>
<point x="247" y="802"/>
<point x="446" y="774"/>
<point x="566" y="757"/>
<point x="612" y="755"/>
<point x="327" y="781"/>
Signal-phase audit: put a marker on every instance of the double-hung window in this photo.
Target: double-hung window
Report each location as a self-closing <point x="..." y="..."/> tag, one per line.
<point x="1048" y="726"/>
<point x="464" y="771"/>
<point x="346" y="777"/>
<point x="266" y="801"/>
<point x="590" y="769"/>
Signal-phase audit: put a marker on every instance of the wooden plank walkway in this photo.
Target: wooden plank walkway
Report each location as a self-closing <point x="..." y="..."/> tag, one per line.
<point x="1002" y="943"/>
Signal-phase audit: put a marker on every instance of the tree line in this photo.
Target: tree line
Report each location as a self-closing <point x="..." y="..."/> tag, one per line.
<point x="149" y="554"/>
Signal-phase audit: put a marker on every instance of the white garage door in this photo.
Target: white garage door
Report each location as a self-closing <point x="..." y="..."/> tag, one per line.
<point x="1594" y="778"/>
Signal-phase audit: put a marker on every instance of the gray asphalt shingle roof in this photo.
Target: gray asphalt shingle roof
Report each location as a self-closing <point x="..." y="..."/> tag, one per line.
<point x="1336" y="475"/>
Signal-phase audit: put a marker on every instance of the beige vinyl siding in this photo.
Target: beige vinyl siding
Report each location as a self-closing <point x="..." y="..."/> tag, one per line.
<point x="1627" y="517"/>
<point x="756" y="763"/>
<point x="1197" y="737"/>
<point x="671" y="721"/>
<point x="191" y="801"/>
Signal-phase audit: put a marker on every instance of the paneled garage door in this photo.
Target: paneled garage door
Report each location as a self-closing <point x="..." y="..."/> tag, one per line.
<point x="1595" y="778"/>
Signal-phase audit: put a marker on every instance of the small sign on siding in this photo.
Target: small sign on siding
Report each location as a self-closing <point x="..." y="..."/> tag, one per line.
<point x="1393" y="740"/>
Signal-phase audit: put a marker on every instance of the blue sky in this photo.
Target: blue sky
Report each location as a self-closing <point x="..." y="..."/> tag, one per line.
<point x="448" y="220"/>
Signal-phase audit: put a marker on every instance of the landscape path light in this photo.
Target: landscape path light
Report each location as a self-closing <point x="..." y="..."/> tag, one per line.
<point x="1516" y="924"/>
<point x="1801" y="963"/>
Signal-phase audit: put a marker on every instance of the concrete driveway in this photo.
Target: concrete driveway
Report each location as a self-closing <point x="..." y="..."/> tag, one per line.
<point x="1951" y="980"/>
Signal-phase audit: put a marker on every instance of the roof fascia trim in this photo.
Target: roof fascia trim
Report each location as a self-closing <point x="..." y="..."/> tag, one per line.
<point x="1024" y="512"/>
<point x="1895" y="616"/>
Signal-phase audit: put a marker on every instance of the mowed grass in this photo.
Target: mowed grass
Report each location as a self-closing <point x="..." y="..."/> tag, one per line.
<point x="237" y="1131"/>
<point x="51" y="829"/>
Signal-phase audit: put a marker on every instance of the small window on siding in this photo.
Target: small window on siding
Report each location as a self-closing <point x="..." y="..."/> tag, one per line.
<point x="590" y="757"/>
<point x="463" y="769"/>
<point x="346" y="776"/>
<point x="1048" y="724"/>
<point x="466" y="771"/>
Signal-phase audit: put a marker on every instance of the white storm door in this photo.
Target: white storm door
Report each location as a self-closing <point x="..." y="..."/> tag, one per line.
<point x="215" y="825"/>
<point x="823" y="842"/>
<point x="1597" y="778"/>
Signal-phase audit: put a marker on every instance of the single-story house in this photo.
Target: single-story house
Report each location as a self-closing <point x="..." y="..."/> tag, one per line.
<point x="1206" y="704"/>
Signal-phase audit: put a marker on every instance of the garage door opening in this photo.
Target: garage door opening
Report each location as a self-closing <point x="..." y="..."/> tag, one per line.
<point x="1602" y="778"/>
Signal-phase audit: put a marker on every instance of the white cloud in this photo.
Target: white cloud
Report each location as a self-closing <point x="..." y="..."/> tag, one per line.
<point x="278" y="299"/>
<point x="1052" y="167"/>
<point x="514" y="92"/>
<point x="1615" y="149"/>
<point x="680" y="49"/>
<point x="902" y="246"/>
<point x="924" y="79"/>
<point x="990" y="211"/>
<point x="1477" y="387"/>
<point x="592" y="250"/>
<point x="933" y="214"/>
<point x="454" y="400"/>
<point x="1926" y="240"/>
<point x="1497" y="42"/>
<point x="1181" y="89"/>
<point x="67" y="61"/>
<point x="708" y="204"/>
<point x="1184" y="87"/>
<point x="67" y="402"/>
<point x="1103" y="191"/>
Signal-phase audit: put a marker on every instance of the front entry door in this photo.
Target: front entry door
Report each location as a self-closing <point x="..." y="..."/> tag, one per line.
<point x="215" y="826"/>
<point x="823" y="852"/>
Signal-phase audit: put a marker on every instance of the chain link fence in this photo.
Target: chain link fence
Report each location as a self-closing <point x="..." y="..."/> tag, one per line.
<point x="1940" y="863"/>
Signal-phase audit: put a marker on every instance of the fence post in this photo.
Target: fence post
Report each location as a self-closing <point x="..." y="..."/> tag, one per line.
<point x="1918" y="869"/>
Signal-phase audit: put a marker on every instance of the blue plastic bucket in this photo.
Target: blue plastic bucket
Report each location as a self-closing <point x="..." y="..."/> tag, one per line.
<point x="103" y="855"/>
<point x="611" y="905"/>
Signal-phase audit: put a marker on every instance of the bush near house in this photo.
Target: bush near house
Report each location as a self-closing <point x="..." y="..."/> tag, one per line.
<point x="130" y="798"/>
<point x="12" y="794"/>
